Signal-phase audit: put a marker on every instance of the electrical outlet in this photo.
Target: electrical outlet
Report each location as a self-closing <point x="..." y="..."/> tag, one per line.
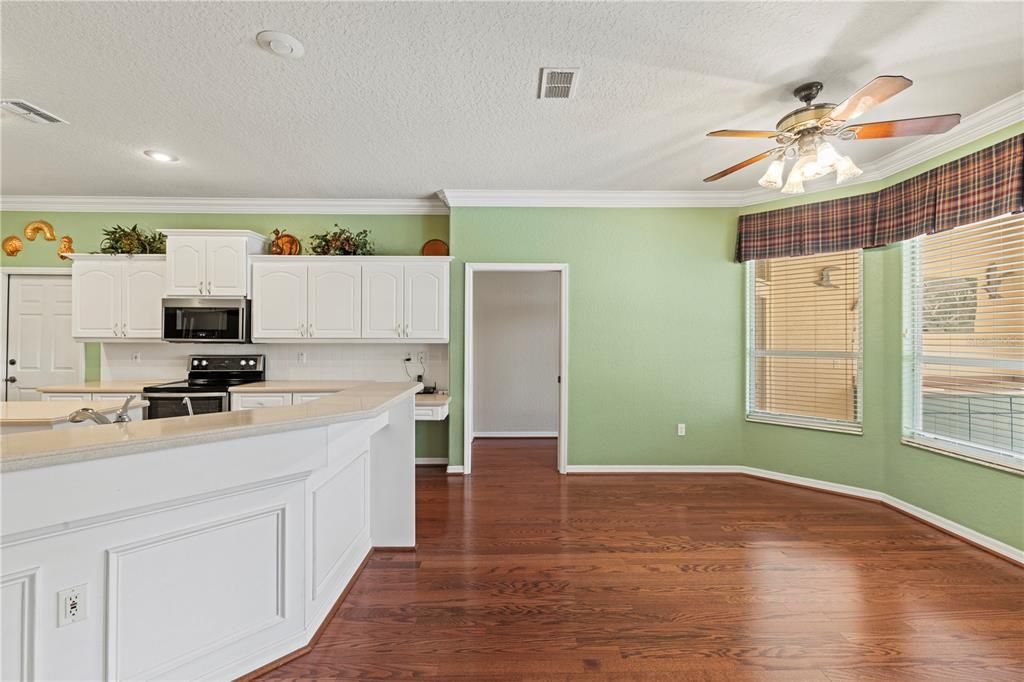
<point x="71" y="605"/>
<point x="137" y="358"/>
<point x="301" y="357"/>
<point x="680" y="429"/>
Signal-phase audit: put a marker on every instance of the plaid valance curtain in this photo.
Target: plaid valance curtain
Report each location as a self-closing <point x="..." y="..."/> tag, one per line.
<point x="977" y="187"/>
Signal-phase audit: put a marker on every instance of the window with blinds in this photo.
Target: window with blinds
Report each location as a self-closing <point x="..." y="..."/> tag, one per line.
<point x="964" y="341"/>
<point x="804" y="346"/>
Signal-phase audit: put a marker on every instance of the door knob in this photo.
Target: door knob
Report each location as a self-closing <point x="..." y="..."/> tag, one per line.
<point x="11" y="380"/>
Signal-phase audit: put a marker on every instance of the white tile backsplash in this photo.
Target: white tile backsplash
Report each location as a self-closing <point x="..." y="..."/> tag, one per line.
<point x="374" y="362"/>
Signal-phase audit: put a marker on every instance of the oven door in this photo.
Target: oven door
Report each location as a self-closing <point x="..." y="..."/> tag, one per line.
<point x="162" y="405"/>
<point x="210" y="320"/>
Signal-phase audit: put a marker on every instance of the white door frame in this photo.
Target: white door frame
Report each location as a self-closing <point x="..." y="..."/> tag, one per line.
<point x="5" y="288"/>
<point x="563" y="355"/>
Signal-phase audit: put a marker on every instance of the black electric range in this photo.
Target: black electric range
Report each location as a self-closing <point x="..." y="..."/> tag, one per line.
<point x="206" y="389"/>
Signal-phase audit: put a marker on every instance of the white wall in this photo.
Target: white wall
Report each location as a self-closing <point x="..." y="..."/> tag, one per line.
<point x="373" y="362"/>
<point x="515" y="353"/>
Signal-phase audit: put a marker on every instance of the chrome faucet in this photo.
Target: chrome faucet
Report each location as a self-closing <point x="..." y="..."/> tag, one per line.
<point x="89" y="413"/>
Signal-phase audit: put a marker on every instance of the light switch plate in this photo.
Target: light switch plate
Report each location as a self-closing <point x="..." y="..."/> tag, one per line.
<point x="680" y="429"/>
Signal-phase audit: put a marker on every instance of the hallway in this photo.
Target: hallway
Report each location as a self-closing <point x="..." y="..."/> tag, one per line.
<point x="523" y="574"/>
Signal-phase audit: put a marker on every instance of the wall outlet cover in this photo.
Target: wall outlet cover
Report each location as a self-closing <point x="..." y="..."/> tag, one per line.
<point x="71" y="605"/>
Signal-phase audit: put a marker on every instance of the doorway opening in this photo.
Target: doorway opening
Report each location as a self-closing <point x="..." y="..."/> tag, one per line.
<point x="38" y="347"/>
<point x="516" y="354"/>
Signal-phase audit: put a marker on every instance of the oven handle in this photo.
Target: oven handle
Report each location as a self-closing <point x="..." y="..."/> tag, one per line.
<point x="150" y="396"/>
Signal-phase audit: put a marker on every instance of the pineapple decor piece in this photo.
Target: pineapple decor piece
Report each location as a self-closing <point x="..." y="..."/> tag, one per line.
<point x="341" y="242"/>
<point x="132" y="240"/>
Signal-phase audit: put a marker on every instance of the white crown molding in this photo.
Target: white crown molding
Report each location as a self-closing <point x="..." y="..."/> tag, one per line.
<point x="463" y="198"/>
<point x="941" y="522"/>
<point x="989" y="120"/>
<point x="41" y="203"/>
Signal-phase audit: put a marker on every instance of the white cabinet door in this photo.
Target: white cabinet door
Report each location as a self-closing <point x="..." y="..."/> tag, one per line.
<point x="143" y="288"/>
<point x="302" y="398"/>
<point x="335" y="299"/>
<point x="279" y="301"/>
<point x="186" y="267"/>
<point x="96" y="299"/>
<point x="251" y="401"/>
<point x="426" y="301"/>
<point x="226" y="263"/>
<point x="383" y="300"/>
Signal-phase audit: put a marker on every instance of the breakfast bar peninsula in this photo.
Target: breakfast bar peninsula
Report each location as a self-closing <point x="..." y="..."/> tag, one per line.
<point x="197" y="547"/>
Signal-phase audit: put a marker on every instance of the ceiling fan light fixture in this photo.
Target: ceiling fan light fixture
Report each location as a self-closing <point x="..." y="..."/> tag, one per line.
<point x="795" y="182"/>
<point x="828" y="157"/>
<point x="846" y="169"/>
<point x="772" y="178"/>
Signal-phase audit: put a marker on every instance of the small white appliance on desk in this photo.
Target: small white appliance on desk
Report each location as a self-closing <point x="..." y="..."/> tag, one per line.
<point x="206" y="389"/>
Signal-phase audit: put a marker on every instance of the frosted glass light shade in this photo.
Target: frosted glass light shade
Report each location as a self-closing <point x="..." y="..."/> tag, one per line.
<point x="795" y="182"/>
<point x="772" y="178"/>
<point x="846" y="169"/>
<point x="828" y="157"/>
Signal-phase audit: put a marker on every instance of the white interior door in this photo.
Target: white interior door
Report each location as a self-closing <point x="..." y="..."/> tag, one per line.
<point x="40" y="349"/>
<point x="383" y="305"/>
<point x="335" y="300"/>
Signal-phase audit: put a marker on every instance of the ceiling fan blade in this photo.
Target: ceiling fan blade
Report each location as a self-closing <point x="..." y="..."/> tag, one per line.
<point x="741" y="165"/>
<point x="744" y="133"/>
<point x="904" y="127"/>
<point x="869" y="97"/>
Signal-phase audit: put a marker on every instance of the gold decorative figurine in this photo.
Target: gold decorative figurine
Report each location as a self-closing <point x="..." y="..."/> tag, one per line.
<point x="33" y="229"/>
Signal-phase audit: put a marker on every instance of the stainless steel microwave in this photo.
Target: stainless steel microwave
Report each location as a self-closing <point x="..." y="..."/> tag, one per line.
<point x="206" y="320"/>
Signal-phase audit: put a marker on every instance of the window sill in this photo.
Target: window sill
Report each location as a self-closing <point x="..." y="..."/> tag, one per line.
<point x="993" y="461"/>
<point x="837" y="427"/>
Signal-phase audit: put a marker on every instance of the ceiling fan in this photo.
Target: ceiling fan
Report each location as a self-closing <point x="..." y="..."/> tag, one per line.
<point x="801" y="134"/>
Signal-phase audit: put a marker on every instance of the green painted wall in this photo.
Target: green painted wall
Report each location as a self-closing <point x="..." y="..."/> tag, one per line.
<point x="394" y="235"/>
<point x="655" y="325"/>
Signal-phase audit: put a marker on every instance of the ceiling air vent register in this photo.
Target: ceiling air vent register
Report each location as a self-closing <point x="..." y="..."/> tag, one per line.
<point x="29" y="111"/>
<point x="558" y="83"/>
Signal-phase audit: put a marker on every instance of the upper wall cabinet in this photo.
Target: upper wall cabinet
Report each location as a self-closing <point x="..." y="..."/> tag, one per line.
<point x="210" y="262"/>
<point x="116" y="297"/>
<point x="349" y="297"/>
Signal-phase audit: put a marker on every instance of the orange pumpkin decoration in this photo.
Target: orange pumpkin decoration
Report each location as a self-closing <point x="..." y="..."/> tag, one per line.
<point x="13" y="245"/>
<point x="285" y="244"/>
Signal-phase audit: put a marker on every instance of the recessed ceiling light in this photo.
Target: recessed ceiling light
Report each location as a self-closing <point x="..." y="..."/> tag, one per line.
<point x="281" y="44"/>
<point x="162" y="157"/>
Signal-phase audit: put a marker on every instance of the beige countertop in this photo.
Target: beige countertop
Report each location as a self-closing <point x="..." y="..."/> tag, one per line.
<point x="133" y="386"/>
<point x="27" y="413"/>
<point x="66" y="446"/>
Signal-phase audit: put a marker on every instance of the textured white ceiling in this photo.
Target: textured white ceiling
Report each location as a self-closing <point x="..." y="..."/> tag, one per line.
<point x="402" y="99"/>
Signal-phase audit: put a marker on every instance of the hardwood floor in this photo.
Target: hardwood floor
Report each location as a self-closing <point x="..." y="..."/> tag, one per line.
<point x="523" y="574"/>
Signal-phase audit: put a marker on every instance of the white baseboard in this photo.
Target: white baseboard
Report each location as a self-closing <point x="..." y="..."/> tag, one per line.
<point x="515" y="434"/>
<point x="989" y="543"/>
<point x="457" y="469"/>
<point x="431" y="461"/>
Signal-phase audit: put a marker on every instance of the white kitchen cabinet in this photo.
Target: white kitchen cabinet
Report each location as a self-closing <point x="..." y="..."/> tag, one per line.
<point x="251" y="401"/>
<point x="334" y="304"/>
<point x="305" y="298"/>
<point x="210" y="262"/>
<point x="350" y="298"/>
<point x="117" y="297"/>
<point x="426" y="300"/>
<point x="302" y="398"/>
<point x="383" y="300"/>
<point x="279" y="307"/>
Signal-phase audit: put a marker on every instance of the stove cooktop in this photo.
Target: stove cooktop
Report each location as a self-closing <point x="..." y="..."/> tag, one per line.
<point x="215" y="373"/>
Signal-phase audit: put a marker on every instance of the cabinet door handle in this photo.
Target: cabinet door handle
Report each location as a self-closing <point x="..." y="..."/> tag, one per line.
<point x="398" y="329"/>
<point x="309" y="330"/>
<point x="406" y="330"/>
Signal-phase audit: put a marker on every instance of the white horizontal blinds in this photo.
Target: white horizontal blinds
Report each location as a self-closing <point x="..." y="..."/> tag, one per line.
<point x="805" y="338"/>
<point x="965" y="317"/>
